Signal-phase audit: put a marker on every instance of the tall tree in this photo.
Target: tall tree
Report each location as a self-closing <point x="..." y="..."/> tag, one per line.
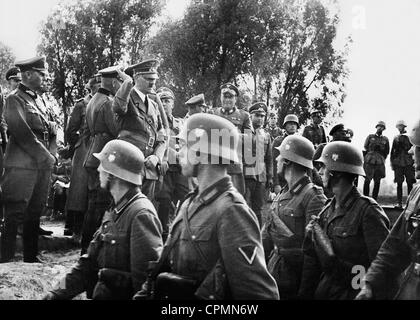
<point x="275" y="45"/>
<point x="7" y="59"/>
<point x="81" y="37"/>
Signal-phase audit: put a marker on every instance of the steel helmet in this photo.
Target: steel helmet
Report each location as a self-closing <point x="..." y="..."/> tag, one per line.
<point x="381" y="123"/>
<point x="123" y="160"/>
<point x="414" y="134"/>
<point x="400" y="123"/>
<point x="291" y="118"/>
<point x="211" y="135"/>
<point x="343" y="157"/>
<point x="297" y="149"/>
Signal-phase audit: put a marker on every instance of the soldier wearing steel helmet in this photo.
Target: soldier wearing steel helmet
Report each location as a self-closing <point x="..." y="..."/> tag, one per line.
<point x="116" y="262"/>
<point x="290" y="212"/>
<point x="402" y="161"/>
<point x="291" y="126"/>
<point x="353" y="226"/>
<point x="377" y="150"/>
<point x="315" y="132"/>
<point x="399" y="255"/>
<point x="214" y="249"/>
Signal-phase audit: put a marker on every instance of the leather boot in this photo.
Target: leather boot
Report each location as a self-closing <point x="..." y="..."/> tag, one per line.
<point x="30" y="241"/>
<point x="8" y="241"/>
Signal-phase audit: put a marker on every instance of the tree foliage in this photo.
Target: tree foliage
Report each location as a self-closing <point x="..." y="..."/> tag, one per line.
<point x="82" y="37"/>
<point x="275" y="46"/>
<point x="7" y="59"/>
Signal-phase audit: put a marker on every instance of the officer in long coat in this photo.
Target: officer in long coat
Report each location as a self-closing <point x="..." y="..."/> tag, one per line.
<point x="77" y="138"/>
<point x="115" y="266"/>
<point x="29" y="158"/>
<point x="214" y="250"/>
<point x="289" y="214"/>
<point x="101" y="128"/>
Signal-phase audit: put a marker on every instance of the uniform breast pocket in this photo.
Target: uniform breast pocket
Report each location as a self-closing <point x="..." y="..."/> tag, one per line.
<point x="295" y="219"/>
<point x="34" y="121"/>
<point x="199" y="240"/>
<point x="116" y="249"/>
<point x="346" y="239"/>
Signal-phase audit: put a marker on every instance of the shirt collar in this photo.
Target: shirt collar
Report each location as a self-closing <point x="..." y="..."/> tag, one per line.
<point x="28" y="91"/>
<point x="213" y="191"/>
<point x="350" y="198"/>
<point x="141" y="94"/>
<point x="298" y="186"/>
<point x="129" y="195"/>
<point x="230" y="111"/>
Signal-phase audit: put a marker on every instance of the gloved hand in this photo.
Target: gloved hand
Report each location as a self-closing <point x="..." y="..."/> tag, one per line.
<point x="151" y="161"/>
<point x="50" y="296"/>
<point x="366" y="293"/>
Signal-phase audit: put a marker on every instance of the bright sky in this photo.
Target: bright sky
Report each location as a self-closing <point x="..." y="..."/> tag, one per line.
<point x="384" y="83"/>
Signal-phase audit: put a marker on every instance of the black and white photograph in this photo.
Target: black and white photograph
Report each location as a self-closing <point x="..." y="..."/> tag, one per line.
<point x="195" y="153"/>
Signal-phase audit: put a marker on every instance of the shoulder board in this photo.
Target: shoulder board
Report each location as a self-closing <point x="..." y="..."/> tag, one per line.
<point x="318" y="189"/>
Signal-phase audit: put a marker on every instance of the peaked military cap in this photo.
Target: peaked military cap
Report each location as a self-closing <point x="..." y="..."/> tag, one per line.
<point x="37" y="64"/>
<point x="314" y="111"/>
<point x="13" y="73"/>
<point x="165" y="92"/>
<point x="196" y="100"/>
<point x="259" y="107"/>
<point x="146" y="67"/>
<point x="110" y="72"/>
<point x="336" y="128"/>
<point x="229" y="88"/>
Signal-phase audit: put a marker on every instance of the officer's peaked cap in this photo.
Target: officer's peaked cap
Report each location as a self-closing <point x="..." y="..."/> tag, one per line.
<point x="259" y="107"/>
<point x="110" y="72"/>
<point x="37" y="64"/>
<point x="229" y="88"/>
<point x="147" y="67"/>
<point x="196" y="100"/>
<point x="13" y="73"/>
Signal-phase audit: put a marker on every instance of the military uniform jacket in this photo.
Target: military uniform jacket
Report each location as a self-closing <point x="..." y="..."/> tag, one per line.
<point x="129" y="237"/>
<point x="101" y="125"/>
<point x="77" y="130"/>
<point x="399" y="152"/>
<point x="399" y="249"/>
<point x="259" y="151"/>
<point x="242" y="120"/>
<point x="175" y="125"/>
<point x="32" y="131"/>
<point x="356" y="230"/>
<point x="137" y="123"/>
<point x="316" y="134"/>
<point x="377" y="148"/>
<point x="224" y="228"/>
<point x="294" y="208"/>
<point x="3" y="125"/>
<point x="274" y="132"/>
